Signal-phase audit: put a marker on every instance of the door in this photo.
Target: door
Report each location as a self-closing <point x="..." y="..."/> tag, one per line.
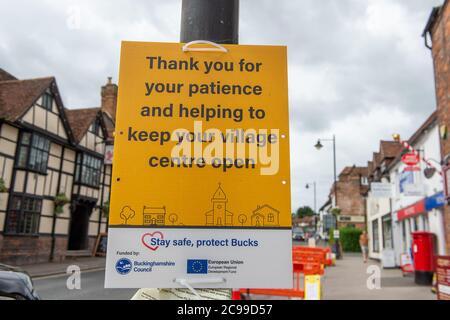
<point x="79" y="227"/>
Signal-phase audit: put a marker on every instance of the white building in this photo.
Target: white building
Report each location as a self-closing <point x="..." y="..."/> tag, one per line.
<point x="416" y="197"/>
<point x="378" y="209"/>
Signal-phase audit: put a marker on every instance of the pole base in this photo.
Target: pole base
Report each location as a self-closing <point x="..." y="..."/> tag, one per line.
<point x="424" y="278"/>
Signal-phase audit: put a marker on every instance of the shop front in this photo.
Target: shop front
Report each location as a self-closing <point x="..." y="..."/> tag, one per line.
<point x="424" y="215"/>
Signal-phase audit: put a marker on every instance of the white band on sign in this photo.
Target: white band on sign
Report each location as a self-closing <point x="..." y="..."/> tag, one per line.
<point x="216" y="47"/>
<point x="187" y="283"/>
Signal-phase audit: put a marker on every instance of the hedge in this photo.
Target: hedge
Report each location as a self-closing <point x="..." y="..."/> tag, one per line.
<point x="349" y="239"/>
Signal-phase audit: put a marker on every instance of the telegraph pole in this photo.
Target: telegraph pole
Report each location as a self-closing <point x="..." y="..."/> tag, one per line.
<point x="212" y="20"/>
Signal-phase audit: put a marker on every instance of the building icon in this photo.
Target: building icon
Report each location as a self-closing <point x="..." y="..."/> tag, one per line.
<point x="219" y="215"/>
<point x="265" y="216"/>
<point x="154" y="216"/>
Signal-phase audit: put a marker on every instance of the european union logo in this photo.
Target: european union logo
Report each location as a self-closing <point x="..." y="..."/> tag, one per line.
<point x="197" y="266"/>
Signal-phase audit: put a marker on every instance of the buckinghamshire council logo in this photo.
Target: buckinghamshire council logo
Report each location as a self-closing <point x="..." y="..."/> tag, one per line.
<point x="123" y="266"/>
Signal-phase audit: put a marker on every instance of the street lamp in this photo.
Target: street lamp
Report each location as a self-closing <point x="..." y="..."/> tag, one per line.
<point x="319" y="146"/>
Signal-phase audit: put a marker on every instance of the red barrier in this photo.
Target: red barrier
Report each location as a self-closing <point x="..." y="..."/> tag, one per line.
<point x="305" y="261"/>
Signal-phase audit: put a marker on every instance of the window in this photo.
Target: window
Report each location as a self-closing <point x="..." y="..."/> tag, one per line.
<point x="364" y="181"/>
<point x="96" y="127"/>
<point x="47" y="101"/>
<point x="376" y="236"/>
<point x="23" y="216"/>
<point x="270" y="217"/>
<point x="88" y="170"/>
<point x="426" y="224"/>
<point x="387" y="232"/>
<point x="33" y="152"/>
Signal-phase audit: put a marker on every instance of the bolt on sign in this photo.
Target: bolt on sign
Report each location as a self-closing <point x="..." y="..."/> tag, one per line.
<point x="201" y="177"/>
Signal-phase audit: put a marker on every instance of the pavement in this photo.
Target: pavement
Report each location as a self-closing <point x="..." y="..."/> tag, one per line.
<point x="57" y="268"/>
<point x="348" y="281"/>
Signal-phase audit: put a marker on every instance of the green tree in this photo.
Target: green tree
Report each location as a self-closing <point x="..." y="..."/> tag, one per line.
<point x="304" y="212"/>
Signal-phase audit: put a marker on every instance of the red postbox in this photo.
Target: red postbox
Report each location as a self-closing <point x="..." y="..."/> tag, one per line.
<point x="423" y="248"/>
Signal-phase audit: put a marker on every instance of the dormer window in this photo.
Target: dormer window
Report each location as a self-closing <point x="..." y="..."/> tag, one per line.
<point x="95" y="127"/>
<point x="47" y="101"/>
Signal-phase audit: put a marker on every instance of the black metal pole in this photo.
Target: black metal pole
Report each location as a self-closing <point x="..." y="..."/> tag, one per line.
<point x="212" y="20"/>
<point x="315" y="198"/>
<point x="335" y="175"/>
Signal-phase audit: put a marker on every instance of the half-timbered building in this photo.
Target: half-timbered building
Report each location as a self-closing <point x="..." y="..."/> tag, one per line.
<point x="54" y="183"/>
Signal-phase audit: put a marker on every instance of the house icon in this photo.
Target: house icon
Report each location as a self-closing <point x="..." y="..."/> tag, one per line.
<point x="154" y="216"/>
<point x="265" y="216"/>
<point x="219" y="215"/>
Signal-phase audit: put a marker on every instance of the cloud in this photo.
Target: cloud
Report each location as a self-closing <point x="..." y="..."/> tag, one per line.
<point x="357" y="69"/>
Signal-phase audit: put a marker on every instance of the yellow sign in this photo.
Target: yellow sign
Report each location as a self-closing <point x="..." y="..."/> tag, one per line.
<point x="202" y="138"/>
<point x="312" y="287"/>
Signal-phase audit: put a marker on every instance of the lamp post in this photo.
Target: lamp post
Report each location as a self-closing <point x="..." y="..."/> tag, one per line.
<point x="315" y="194"/>
<point x="319" y="146"/>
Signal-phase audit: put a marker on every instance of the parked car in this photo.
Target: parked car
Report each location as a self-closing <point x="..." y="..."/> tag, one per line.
<point x="16" y="284"/>
<point x="299" y="236"/>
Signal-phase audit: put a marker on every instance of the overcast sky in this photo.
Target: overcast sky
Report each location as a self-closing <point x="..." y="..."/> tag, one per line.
<point x="357" y="68"/>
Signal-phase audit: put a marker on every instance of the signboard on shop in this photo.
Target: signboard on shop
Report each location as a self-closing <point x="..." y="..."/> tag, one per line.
<point x="109" y="152"/>
<point x="412" y="210"/>
<point x="443" y="277"/>
<point x="381" y="190"/>
<point x="435" y="201"/>
<point x="408" y="186"/>
<point x="411" y="158"/>
<point x="201" y="177"/>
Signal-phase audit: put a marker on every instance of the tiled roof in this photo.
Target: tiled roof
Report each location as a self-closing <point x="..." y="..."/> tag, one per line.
<point x="80" y="120"/>
<point x="369" y="167"/>
<point x="16" y="96"/>
<point x="354" y="170"/>
<point x="5" y="75"/>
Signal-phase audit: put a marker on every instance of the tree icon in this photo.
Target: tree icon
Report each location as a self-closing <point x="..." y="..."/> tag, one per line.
<point x="242" y="219"/>
<point x="127" y="213"/>
<point x="173" y="218"/>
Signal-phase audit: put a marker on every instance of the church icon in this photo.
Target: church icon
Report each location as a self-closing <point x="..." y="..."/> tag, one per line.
<point x="219" y="215"/>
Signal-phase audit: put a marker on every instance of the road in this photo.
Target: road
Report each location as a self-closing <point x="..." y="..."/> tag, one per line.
<point x="92" y="288"/>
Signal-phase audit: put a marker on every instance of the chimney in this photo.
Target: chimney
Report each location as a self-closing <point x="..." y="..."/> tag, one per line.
<point x="109" y="98"/>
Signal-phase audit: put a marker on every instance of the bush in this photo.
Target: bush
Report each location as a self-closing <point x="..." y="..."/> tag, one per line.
<point x="349" y="238"/>
<point x="60" y="201"/>
<point x="331" y="236"/>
